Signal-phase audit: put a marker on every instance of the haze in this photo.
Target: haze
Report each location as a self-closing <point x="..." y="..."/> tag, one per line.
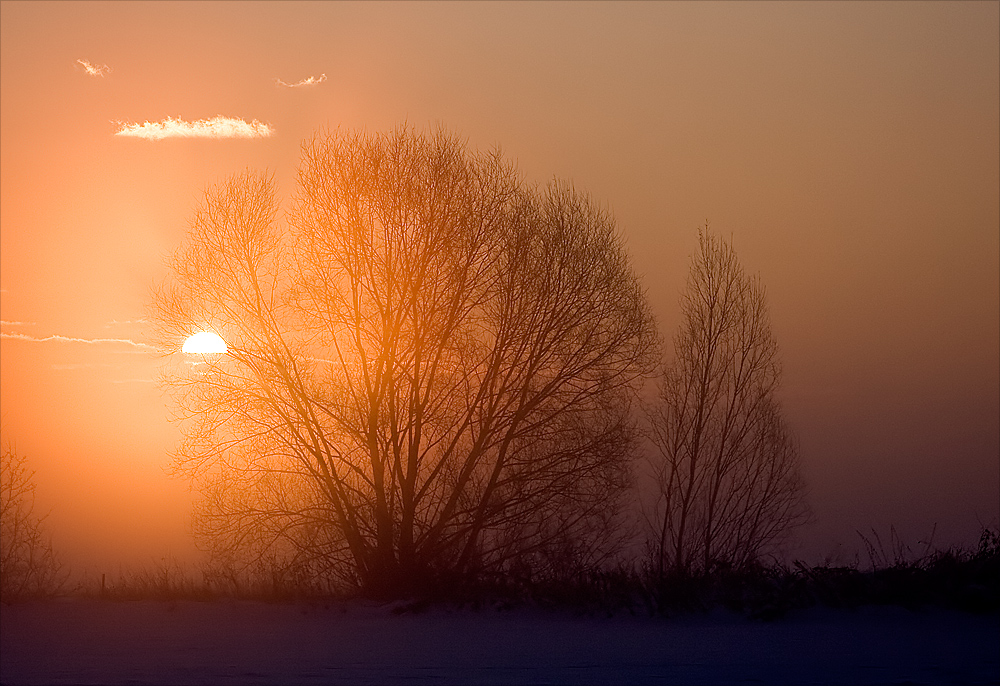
<point x="849" y="150"/>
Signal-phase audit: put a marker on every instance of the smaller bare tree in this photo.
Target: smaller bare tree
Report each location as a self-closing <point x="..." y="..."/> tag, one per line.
<point x="727" y="468"/>
<point x="28" y="564"/>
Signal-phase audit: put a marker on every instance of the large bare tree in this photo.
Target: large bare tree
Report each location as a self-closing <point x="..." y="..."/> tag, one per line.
<point x="727" y="468"/>
<point x="430" y="367"/>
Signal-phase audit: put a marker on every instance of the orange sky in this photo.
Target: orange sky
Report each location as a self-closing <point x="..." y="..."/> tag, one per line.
<point x="851" y="151"/>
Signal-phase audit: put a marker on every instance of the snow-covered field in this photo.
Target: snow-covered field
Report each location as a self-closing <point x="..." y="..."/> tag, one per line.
<point x="77" y="641"/>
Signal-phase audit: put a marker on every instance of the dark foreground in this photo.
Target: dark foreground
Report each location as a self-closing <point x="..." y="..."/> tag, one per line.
<point x="77" y="641"/>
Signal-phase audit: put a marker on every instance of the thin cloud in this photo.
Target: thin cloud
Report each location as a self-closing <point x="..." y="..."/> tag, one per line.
<point x="94" y="69"/>
<point x="115" y="322"/>
<point x="133" y="381"/>
<point x="217" y="127"/>
<point x="311" y="81"/>
<point x="68" y="339"/>
<point x="4" y="322"/>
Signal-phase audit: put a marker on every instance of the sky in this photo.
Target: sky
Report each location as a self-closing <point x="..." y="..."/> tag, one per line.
<point x="850" y="151"/>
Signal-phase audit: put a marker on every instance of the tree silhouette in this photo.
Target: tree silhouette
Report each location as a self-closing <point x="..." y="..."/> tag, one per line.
<point x="430" y="368"/>
<point x="28" y="564"/>
<point x="726" y="466"/>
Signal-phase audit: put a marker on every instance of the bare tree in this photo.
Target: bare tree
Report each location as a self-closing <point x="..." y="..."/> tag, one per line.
<point x="726" y="466"/>
<point x="429" y="372"/>
<point x="28" y="564"/>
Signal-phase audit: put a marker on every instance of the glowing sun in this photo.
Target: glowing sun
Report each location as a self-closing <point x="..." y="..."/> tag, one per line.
<point x="204" y="342"/>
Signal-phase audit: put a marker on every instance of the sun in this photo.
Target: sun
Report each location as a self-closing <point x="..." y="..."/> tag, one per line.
<point x="204" y="343"/>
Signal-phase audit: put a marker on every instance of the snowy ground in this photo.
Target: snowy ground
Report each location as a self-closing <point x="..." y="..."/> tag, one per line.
<point x="77" y="641"/>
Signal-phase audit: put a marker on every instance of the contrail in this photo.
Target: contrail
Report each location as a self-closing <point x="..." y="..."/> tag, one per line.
<point x="68" y="339"/>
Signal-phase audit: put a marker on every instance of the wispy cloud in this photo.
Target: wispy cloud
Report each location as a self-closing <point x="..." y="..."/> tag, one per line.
<point x="82" y="365"/>
<point x="217" y="127"/>
<point x="133" y="381"/>
<point x="311" y="81"/>
<point x="115" y="322"/>
<point x="4" y="322"/>
<point x="68" y="339"/>
<point x="94" y="69"/>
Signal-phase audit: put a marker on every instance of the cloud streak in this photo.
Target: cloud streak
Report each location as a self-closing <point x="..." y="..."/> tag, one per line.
<point x="115" y="322"/>
<point x="68" y="339"/>
<point x="217" y="127"/>
<point x="4" y="322"/>
<point x="311" y="81"/>
<point x="94" y="69"/>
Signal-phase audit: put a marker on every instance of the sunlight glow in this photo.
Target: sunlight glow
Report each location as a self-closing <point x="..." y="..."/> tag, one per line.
<point x="203" y="343"/>
<point x="217" y="127"/>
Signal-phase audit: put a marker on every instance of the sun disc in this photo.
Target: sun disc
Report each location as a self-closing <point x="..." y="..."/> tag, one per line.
<point x="203" y="343"/>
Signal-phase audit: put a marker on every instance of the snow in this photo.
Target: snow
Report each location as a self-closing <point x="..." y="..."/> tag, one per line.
<point x="84" y="641"/>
